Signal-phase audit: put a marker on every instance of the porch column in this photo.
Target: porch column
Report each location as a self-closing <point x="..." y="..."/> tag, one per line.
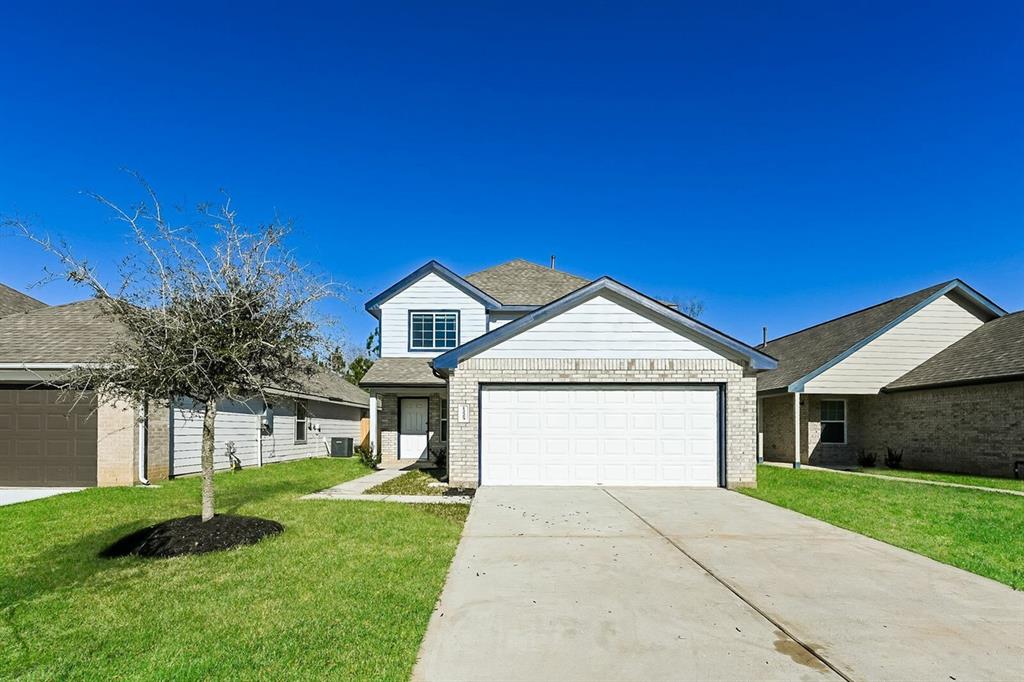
<point x="796" y="430"/>
<point x="373" y="423"/>
<point x="760" y="430"/>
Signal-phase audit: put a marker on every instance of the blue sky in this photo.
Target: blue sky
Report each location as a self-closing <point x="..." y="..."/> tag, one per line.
<point x="784" y="162"/>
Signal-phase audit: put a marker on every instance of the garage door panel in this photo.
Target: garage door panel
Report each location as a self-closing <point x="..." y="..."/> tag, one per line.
<point x="585" y="435"/>
<point x="46" y="439"/>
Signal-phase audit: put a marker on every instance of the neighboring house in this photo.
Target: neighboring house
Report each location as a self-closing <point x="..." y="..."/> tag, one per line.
<point x="49" y="439"/>
<point x="525" y="375"/>
<point x="13" y="301"/>
<point x="937" y="374"/>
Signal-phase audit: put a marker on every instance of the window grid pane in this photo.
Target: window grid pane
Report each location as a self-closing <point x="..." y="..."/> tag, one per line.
<point x="434" y="330"/>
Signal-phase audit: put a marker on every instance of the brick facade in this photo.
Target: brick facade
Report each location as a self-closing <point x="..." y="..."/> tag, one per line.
<point x="975" y="429"/>
<point x="116" y="439"/>
<point x="464" y="383"/>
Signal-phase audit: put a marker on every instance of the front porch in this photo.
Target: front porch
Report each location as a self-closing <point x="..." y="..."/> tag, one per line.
<point x="412" y="424"/>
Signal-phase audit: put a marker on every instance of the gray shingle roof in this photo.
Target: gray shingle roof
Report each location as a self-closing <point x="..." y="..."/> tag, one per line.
<point x="71" y="333"/>
<point x="401" y="372"/>
<point x="520" y="282"/>
<point x="804" y="351"/>
<point x="993" y="351"/>
<point x="13" y="301"/>
<point x="79" y="333"/>
<point x="324" y="383"/>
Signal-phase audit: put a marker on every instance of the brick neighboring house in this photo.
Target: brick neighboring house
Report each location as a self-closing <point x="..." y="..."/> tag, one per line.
<point x="938" y="374"/>
<point x="528" y="375"/>
<point x="49" y="439"/>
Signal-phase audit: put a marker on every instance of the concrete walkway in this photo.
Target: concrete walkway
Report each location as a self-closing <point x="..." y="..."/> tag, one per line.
<point x="669" y="583"/>
<point x="900" y="479"/>
<point x="355" y="490"/>
<point x="14" y="495"/>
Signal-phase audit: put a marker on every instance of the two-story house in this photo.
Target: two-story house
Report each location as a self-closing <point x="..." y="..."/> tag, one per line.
<point x="528" y="375"/>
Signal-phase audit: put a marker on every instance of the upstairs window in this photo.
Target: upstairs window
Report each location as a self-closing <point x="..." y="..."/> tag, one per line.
<point x="833" y="421"/>
<point x="433" y="331"/>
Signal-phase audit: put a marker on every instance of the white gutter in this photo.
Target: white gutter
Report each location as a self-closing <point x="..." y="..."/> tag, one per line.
<point x="142" y="444"/>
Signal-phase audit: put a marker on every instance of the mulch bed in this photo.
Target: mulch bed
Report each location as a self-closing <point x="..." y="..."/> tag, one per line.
<point x="189" y="535"/>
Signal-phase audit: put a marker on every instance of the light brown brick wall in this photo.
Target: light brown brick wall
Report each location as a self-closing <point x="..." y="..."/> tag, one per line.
<point x="116" y="438"/>
<point x="463" y="389"/>
<point x="964" y="429"/>
<point x="158" y="442"/>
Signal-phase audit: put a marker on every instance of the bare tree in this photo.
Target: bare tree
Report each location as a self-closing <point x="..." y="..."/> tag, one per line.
<point x="210" y="310"/>
<point x="691" y="307"/>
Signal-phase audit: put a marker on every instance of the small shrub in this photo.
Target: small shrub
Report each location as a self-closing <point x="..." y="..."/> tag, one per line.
<point x="866" y="459"/>
<point x="440" y="456"/>
<point x="368" y="456"/>
<point x="893" y="458"/>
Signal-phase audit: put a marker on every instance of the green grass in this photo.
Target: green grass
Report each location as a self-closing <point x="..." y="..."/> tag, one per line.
<point x="412" y="483"/>
<point x="963" y="479"/>
<point x="345" y="592"/>
<point x="974" y="530"/>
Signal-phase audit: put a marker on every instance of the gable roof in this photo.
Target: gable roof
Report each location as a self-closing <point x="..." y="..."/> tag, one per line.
<point x="992" y="352"/>
<point x="13" y="301"/>
<point x="522" y="283"/>
<point x="807" y="353"/>
<point x="431" y="267"/>
<point x="606" y="285"/>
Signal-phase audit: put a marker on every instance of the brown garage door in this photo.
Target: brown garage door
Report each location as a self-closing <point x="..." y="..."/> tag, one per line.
<point x="46" y="439"/>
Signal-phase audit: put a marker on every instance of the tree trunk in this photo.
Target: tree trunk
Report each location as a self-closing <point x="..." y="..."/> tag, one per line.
<point x="207" y="459"/>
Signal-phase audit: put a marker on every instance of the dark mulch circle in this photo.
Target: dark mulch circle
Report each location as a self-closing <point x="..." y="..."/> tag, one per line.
<point x="189" y="535"/>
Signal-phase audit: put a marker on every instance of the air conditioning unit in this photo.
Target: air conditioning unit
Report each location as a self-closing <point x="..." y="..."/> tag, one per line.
<point x="341" y="447"/>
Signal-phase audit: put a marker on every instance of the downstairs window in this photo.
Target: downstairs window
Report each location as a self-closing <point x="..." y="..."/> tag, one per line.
<point x="833" y="422"/>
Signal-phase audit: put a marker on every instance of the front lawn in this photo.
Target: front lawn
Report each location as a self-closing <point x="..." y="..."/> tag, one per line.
<point x="345" y="592"/>
<point x="963" y="479"/>
<point x="974" y="530"/>
<point x="416" y="482"/>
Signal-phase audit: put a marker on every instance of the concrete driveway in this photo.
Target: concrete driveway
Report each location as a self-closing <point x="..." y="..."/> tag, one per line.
<point x="669" y="583"/>
<point x="15" y="495"/>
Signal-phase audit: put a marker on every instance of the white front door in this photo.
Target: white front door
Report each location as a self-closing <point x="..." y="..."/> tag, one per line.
<point x="599" y="435"/>
<point x="412" y="428"/>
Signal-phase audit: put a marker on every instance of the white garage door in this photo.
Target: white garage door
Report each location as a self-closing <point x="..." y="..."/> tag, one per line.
<point x="607" y="435"/>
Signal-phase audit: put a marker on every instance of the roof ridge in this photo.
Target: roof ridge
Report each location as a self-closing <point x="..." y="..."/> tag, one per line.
<point x="861" y="310"/>
<point x="530" y="263"/>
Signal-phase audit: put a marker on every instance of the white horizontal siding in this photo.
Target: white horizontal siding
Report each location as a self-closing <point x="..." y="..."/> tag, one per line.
<point x="236" y="422"/>
<point x="600" y="328"/>
<point x="325" y="421"/>
<point x="899" y="350"/>
<point x="429" y="293"/>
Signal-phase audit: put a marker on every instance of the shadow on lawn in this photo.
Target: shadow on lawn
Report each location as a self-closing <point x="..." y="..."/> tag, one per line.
<point x="60" y="567"/>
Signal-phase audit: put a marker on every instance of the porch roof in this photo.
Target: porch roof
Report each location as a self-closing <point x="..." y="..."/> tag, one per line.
<point x="396" y="372"/>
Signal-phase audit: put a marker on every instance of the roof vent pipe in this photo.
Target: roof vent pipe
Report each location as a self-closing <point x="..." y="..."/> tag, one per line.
<point x="764" y="336"/>
<point x="552" y="261"/>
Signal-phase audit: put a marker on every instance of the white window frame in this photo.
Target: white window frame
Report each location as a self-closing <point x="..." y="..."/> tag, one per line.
<point x="303" y="408"/>
<point x="444" y="420"/>
<point x="433" y="314"/>
<point x="842" y="421"/>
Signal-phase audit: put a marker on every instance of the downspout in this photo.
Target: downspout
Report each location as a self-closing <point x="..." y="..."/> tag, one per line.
<point x="143" y="412"/>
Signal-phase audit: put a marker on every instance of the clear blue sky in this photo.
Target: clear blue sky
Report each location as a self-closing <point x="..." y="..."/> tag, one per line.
<point x="785" y="162"/>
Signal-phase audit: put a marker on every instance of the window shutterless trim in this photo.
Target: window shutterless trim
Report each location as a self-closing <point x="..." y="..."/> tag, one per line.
<point x="843" y="421"/>
<point x="301" y="404"/>
<point x="435" y="348"/>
